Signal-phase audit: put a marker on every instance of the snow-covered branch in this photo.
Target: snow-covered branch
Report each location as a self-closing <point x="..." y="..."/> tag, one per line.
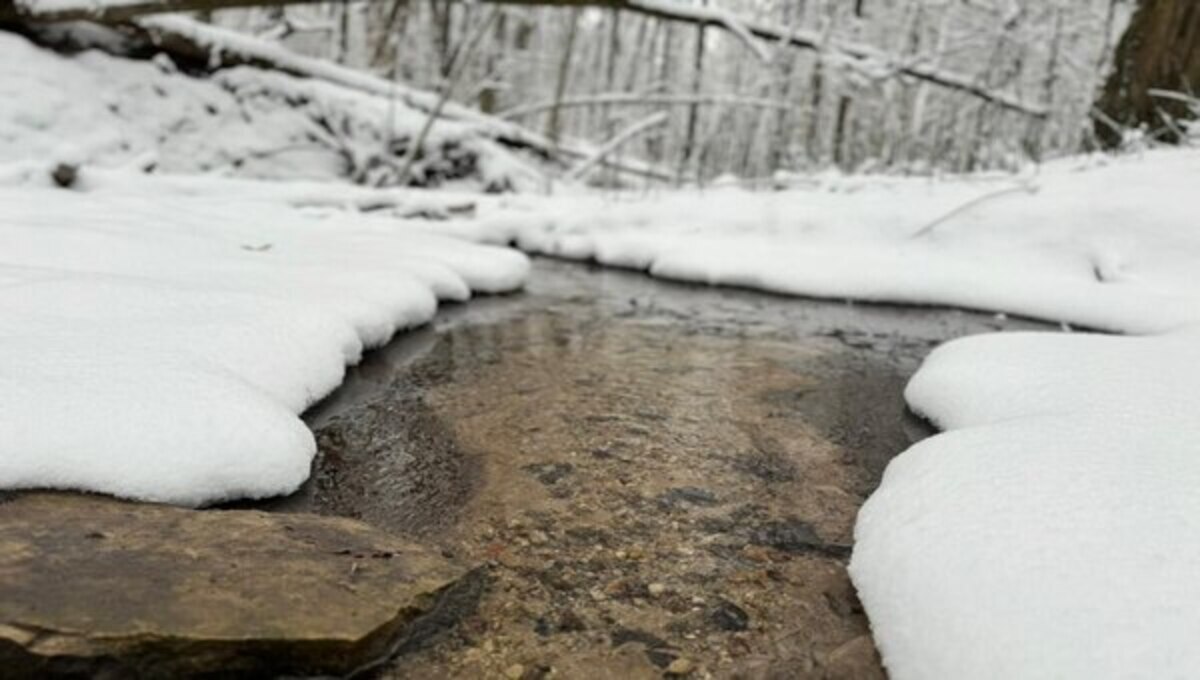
<point x="638" y="99"/>
<point x="641" y="127"/>
<point x="746" y="29"/>
<point x="209" y="43"/>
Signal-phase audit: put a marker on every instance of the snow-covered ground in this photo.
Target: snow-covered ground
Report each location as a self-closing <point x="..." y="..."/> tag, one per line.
<point x="1103" y="243"/>
<point x="241" y="121"/>
<point x="159" y="343"/>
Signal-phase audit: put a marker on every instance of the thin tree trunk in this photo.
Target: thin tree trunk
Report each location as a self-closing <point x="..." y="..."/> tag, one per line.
<point x="553" y="126"/>
<point x="689" y="140"/>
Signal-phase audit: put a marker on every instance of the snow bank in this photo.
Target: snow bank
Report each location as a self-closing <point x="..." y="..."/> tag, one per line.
<point x="242" y="121"/>
<point x="159" y="345"/>
<point x="1054" y="530"/>
<point x="1106" y="244"/>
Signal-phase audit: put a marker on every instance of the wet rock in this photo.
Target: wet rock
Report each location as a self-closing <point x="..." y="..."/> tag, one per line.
<point x="795" y="536"/>
<point x="679" y="666"/>
<point x="685" y="495"/>
<point x="589" y="535"/>
<point x="570" y="622"/>
<point x="658" y="651"/>
<point x="95" y="586"/>
<point x="550" y="473"/>
<point x="65" y="175"/>
<point x="768" y="461"/>
<point x="728" y="616"/>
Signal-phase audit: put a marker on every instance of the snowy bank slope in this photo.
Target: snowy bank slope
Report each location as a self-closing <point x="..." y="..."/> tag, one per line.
<point x="240" y="121"/>
<point x="159" y="345"/>
<point x="1112" y="245"/>
<point x="1053" y="530"/>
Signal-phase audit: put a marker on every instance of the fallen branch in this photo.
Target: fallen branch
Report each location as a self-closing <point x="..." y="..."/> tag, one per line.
<point x="638" y="128"/>
<point x="206" y="44"/>
<point x="636" y="99"/>
<point x="462" y="58"/>
<point x="1027" y="187"/>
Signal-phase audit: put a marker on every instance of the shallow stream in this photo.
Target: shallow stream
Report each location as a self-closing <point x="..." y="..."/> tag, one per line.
<point x="657" y="477"/>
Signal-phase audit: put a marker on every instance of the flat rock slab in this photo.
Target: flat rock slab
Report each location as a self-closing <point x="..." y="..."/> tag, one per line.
<point x="92" y="586"/>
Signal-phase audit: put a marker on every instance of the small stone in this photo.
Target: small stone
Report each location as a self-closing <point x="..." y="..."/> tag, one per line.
<point x="65" y="175"/>
<point x="515" y="672"/>
<point x="680" y="666"/>
<point x="756" y="553"/>
<point x="656" y="589"/>
<point x="617" y="588"/>
<point x="728" y="616"/>
<point x="537" y="537"/>
<point x="685" y="495"/>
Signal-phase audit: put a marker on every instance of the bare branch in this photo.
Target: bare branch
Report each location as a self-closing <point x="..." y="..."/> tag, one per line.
<point x="641" y="127"/>
<point x="638" y="99"/>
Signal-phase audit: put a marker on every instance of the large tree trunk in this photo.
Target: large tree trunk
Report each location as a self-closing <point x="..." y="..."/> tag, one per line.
<point x="1159" y="51"/>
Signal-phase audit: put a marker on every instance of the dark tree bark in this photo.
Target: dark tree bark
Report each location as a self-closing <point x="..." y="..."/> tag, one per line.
<point x="1159" y="51"/>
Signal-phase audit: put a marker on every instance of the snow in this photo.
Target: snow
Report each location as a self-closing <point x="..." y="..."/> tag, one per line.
<point x="241" y="121"/>
<point x="160" y="345"/>
<point x="1054" y="530"/>
<point x="1104" y="244"/>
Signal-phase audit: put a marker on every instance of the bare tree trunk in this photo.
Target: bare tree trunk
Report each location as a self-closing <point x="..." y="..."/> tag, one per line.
<point x="840" y="155"/>
<point x="689" y="139"/>
<point x="1160" y="50"/>
<point x="553" y="126"/>
<point x="610" y="78"/>
<point x="344" y="33"/>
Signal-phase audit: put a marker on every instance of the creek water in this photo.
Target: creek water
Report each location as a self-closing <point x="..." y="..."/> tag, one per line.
<point x="656" y="477"/>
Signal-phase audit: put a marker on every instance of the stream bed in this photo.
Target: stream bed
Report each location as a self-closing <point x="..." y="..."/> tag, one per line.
<point x="656" y="478"/>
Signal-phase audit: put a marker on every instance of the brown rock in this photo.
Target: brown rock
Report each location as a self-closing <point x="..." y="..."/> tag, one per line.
<point x="94" y="586"/>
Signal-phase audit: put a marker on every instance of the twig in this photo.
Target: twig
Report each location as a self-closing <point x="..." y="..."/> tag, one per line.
<point x="638" y="128"/>
<point x="1027" y="187"/>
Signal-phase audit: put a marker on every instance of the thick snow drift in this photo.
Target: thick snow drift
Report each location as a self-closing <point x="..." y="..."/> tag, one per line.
<point x="1054" y="530"/>
<point x="159" y="345"/>
<point x="242" y="121"/>
<point x="1111" y="244"/>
